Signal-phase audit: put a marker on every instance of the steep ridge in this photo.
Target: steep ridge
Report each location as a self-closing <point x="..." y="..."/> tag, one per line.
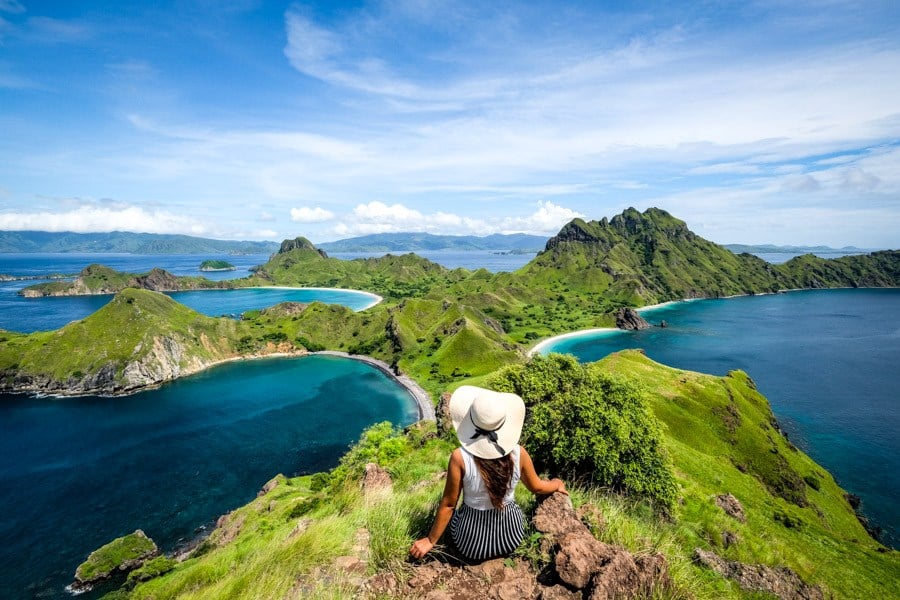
<point x="644" y="258"/>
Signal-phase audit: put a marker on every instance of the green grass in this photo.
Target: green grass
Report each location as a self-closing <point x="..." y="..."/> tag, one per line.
<point x="828" y="547"/>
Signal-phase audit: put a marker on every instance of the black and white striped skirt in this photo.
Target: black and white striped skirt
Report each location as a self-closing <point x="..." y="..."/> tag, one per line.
<point x="483" y="534"/>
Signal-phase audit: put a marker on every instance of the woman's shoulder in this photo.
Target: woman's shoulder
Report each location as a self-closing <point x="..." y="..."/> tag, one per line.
<point x="456" y="457"/>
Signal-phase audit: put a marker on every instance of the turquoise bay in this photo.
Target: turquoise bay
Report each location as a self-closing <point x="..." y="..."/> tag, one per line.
<point x="826" y="360"/>
<point x="77" y="472"/>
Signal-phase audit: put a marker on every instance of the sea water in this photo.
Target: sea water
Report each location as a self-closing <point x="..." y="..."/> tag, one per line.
<point x="77" y="472"/>
<point x="26" y="315"/>
<point x="826" y="360"/>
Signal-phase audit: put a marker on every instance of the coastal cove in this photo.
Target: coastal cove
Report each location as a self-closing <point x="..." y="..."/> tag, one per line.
<point x="826" y="360"/>
<point x="77" y="472"/>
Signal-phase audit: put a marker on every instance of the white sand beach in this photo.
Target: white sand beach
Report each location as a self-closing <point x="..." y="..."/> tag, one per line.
<point x="537" y="348"/>
<point x="376" y="299"/>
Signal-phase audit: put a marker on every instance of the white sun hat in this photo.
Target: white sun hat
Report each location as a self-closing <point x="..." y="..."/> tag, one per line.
<point x="487" y="423"/>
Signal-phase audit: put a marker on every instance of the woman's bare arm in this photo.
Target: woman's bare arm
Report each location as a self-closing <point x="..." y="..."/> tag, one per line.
<point x="445" y="509"/>
<point x="534" y="483"/>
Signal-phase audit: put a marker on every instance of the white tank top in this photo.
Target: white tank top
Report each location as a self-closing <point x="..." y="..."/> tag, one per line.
<point x="475" y="494"/>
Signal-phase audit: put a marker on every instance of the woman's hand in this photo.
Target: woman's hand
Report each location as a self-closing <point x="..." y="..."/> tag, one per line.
<point x="561" y="487"/>
<point x="421" y="547"/>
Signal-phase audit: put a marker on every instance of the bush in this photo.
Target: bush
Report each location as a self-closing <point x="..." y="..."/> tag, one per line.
<point x="588" y="426"/>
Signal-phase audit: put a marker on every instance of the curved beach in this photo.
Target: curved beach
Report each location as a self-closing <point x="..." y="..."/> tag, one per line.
<point x="419" y="395"/>
<point x="572" y="334"/>
<point x="537" y="348"/>
<point x="375" y="298"/>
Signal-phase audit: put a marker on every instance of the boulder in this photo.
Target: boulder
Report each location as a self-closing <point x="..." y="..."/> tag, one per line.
<point x="780" y="581"/>
<point x="731" y="506"/>
<point x="121" y="555"/>
<point x="555" y="515"/>
<point x="579" y="557"/>
<point x="268" y="487"/>
<point x="628" y="318"/>
<point x="376" y="479"/>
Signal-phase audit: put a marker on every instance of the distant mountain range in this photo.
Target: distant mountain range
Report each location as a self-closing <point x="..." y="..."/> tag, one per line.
<point x="154" y="243"/>
<point x="125" y="242"/>
<point x="772" y="249"/>
<point x="413" y="242"/>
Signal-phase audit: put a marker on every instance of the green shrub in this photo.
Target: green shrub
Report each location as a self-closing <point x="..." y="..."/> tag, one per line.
<point x="587" y="426"/>
<point x="311" y="346"/>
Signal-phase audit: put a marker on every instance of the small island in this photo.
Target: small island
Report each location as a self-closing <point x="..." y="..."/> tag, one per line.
<point x="216" y="265"/>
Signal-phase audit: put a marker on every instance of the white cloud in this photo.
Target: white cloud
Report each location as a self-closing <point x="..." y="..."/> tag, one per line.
<point x="304" y="214"/>
<point x="378" y="217"/>
<point x="547" y="219"/>
<point x="92" y="219"/>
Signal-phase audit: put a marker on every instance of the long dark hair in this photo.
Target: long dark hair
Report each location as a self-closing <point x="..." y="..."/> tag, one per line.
<point x="496" y="474"/>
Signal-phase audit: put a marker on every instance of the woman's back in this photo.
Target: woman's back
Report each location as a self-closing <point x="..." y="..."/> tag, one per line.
<point x="475" y="492"/>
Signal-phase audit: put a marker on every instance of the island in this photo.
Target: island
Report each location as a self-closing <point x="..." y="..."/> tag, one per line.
<point x="216" y="265"/>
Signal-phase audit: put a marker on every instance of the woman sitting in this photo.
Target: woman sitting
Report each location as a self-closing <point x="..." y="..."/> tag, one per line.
<point x="486" y="469"/>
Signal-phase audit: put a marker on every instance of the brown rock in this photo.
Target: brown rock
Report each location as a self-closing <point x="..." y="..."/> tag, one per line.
<point x="558" y="592"/>
<point x="628" y="318"/>
<point x="580" y="555"/>
<point x="350" y="564"/>
<point x="623" y="576"/>
<point x="301" y="526"/>
<point x="555" y="515"/>
<point x="227" y="529"/>
<point x="381" y="584"/>
<point x="781" y="581"/>
<point x="376" y="479"/>
<point x="729" y="539"/>
<point x="731" y="506"/>
<point x="268" y="487"/>
<point x="442" y="416"/>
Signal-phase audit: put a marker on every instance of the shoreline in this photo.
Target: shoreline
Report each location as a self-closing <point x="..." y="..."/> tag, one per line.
<point x="588" y="332"/>
<point x="421" y="398"/>
<point x="572" y="334"/>
<point x="376" y="299"/>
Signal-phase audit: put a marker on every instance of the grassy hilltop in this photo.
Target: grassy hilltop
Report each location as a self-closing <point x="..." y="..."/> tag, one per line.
<point x="717" y="432"/>
<point x="710" y="435"/>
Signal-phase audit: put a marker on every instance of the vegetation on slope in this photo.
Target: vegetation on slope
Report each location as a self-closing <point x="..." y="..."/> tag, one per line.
<point x="100" y="279"/>
<point x="287" y="540"/>
<point x="139" y="338"/>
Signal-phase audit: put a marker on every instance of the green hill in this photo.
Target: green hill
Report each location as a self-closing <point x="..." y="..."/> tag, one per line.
<point x="296" y="538"/>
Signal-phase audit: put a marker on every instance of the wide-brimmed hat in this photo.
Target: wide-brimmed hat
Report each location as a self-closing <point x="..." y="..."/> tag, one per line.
<point x="488" y="423"/>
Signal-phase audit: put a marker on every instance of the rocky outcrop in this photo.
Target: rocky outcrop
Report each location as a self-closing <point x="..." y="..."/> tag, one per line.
<point x="442" y="416"/>
<point x="583" y="568"/>
<point x="583" y="562"/>
<point x="121" y="555"/>
<point x="731" y="506"/>
<point x="376" y="482"/>
<point x="628" y="318"/>
<point x="299" y="243"/>
<point x="780" y="581"/>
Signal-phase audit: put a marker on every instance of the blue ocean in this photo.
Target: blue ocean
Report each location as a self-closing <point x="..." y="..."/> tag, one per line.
<point x="826" y="360"/>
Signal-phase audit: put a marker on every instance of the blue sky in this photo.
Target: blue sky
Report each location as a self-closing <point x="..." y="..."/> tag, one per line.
<point x="754" y="122"/>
